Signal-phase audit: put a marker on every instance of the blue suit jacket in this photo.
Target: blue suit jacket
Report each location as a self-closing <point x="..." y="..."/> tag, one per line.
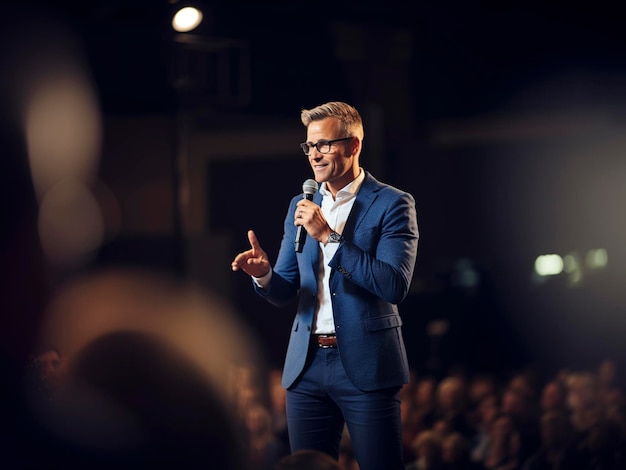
<point x="371" y="273"/>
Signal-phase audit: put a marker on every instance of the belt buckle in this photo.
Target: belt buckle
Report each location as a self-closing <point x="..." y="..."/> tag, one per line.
<point x="326" y="346"/>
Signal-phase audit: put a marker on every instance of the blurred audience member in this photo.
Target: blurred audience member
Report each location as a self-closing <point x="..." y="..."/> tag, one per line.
<point x="147" y="385"/>
<point x="524" y="382"/>
<point x="451" y="405"/>
<point x="617" y="415"/>
<point x="479" y="387"/>
<point x="557" y="450"/>
<point x="50" y="366"/>
<point x="517" y="404"/>
<point x="610" y="393"/>
<point x="583" y="402"/>
<point x="265" y="448"/>
<point x="347" y="459"/>
<point x="455" y="453"/>
<point x="504" y="445"/>
<point x="45" y="374"/>
<point x="418" y="412"/>
<point x="442" y="428"/>
<point x="307" y="460"/>
<point x="485" y="416"/>
<point x="425" y="402"/>
<point x="278" y="405"/>
<point x="553" y="397"/>
<point x="427" y="449"/>
<point x="134" y="400"/>
<point x="602" y="447"/>
<point x="607" y="375"/>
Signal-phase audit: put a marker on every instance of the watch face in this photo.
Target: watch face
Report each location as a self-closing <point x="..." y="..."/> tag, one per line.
<point x="334" y="237"/>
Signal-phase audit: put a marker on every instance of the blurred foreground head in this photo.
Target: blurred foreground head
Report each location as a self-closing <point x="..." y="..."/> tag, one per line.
<point x="308" y="459"/>
<point x="150" y="363"/>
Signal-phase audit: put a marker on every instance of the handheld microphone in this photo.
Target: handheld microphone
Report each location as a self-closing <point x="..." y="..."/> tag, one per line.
<point x="309" y="188"/>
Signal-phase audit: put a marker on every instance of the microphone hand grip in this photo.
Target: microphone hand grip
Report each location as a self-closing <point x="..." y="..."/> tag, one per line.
<point x="309" y="188"/>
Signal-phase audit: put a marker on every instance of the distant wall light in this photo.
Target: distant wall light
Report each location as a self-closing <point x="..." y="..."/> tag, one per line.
<point x="548" y="265"/>
<point x="464" y="274"/>
<point x="597" y="258"/>
<point x="573" y="268"/>
<point x="186" y="19"/>
<point x="570" y="263"/>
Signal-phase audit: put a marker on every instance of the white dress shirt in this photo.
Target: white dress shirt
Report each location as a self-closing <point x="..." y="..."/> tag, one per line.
<point x="336" y="212"/>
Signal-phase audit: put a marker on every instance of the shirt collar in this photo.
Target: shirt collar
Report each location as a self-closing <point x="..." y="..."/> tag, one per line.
<point x="351" y="189"/>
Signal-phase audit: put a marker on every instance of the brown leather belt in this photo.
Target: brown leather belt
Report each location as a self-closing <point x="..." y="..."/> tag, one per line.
<point x="326" y="341"/>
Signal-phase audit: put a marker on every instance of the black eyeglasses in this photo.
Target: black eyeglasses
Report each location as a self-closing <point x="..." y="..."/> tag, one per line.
<point x="322" y="146"/>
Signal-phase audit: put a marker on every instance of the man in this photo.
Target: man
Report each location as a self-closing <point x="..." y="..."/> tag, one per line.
<point x="49" y="371"/>
<point x="346" y="359"/>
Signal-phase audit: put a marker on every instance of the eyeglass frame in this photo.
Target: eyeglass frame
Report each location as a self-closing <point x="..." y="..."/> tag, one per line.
<point x="305" y="146"/>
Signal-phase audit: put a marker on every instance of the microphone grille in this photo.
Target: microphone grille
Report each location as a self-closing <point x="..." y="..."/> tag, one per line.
<point x="309" y="186"/>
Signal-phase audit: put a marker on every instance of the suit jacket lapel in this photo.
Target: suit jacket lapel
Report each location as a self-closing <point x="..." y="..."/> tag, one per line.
<point x="364" y="200"/>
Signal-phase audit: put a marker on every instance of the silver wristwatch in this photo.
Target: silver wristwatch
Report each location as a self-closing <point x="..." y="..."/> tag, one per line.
<point x="334" y="237"/>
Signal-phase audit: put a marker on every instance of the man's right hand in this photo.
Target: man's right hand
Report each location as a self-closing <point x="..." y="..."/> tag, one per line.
<point x="254" y="261"/>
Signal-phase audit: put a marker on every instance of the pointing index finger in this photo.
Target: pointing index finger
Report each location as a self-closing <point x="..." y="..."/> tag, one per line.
<point x="254" y="242"/>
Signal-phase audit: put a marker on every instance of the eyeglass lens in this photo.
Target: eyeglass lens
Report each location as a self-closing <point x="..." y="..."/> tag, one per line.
<point x="323" y="146"/>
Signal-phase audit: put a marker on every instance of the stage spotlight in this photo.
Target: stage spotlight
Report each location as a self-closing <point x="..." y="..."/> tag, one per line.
<point x="186" y="19"/>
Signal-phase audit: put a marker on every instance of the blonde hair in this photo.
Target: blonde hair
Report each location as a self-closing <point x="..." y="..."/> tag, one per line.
<point x="346" y="114"/>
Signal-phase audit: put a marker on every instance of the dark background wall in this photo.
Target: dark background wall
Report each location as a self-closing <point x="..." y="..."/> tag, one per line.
<point x="504" y="119"/>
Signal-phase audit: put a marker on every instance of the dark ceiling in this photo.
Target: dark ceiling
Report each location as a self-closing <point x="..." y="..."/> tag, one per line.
<point x="467" y="56"/>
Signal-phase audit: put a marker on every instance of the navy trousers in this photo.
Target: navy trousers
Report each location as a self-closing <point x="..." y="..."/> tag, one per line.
<point x="323" y="400"/>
